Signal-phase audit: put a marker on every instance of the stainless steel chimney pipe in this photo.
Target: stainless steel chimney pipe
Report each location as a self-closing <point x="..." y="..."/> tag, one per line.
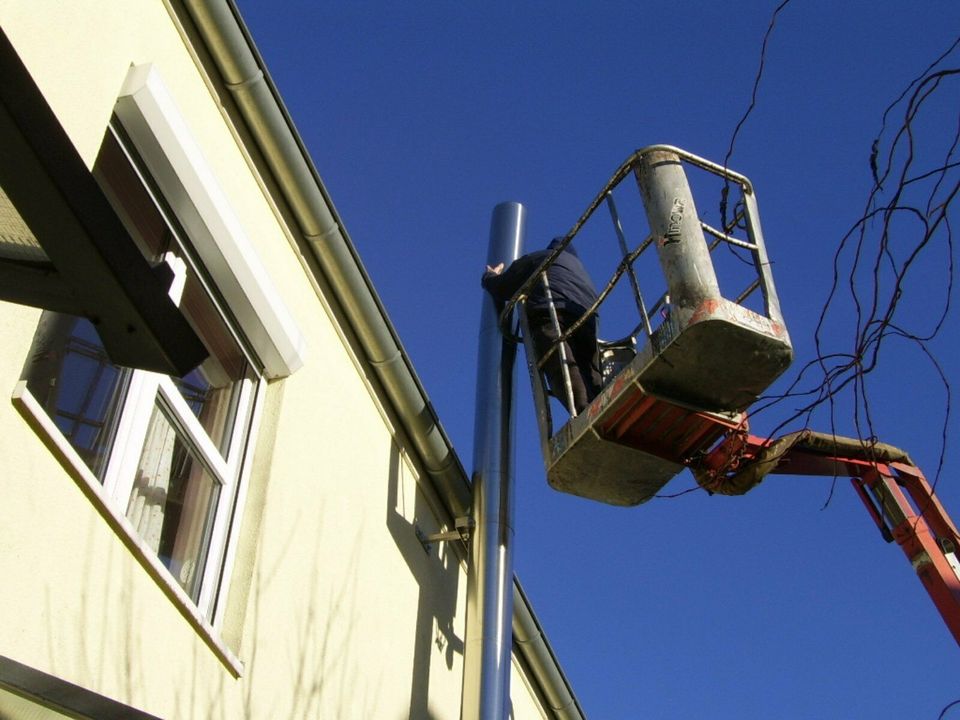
<point x="486" y="665"/>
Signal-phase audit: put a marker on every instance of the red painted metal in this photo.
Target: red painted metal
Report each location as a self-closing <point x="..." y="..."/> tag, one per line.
<point x="896" y="495"/>
<point x="923" y="531"/>
<point x="663" y="429"/>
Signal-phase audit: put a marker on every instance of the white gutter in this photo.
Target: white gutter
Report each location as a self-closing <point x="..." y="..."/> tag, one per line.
<point x="245" y="75"/>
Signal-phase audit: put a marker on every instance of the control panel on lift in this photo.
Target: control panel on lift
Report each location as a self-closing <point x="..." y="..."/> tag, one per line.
<point x="683" y="376"/>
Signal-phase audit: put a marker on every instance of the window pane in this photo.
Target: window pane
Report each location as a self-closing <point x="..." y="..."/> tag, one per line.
<point x="172" y="503"/>
<point x="70" y="375"/>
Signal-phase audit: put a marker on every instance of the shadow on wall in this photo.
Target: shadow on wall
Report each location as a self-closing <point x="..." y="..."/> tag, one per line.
<point x="321" y="673"/>
<point x="321" y="676"/>
<point x="325" y="679"/>
<point x="436" y="570"/>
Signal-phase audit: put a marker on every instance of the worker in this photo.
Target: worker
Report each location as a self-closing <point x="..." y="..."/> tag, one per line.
<point x="573" y="293"/>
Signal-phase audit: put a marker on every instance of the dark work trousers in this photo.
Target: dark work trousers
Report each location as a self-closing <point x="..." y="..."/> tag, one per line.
<point x="581" y="353"/>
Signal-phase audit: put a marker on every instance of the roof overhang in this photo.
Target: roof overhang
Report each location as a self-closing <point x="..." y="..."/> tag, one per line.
<point x="62" y="245"/>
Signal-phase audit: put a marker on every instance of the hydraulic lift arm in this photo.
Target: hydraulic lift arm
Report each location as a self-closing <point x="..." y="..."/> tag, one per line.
<point x="898" y="497"/>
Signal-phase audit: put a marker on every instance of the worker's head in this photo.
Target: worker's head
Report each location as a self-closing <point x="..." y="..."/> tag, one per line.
<point x="557" y="241"/>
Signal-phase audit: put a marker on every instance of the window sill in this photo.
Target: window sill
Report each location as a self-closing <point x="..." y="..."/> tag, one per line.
<point x="33" y="413"/>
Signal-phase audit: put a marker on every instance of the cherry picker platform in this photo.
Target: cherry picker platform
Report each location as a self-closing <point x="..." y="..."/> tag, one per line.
<point x="692" y="365"/>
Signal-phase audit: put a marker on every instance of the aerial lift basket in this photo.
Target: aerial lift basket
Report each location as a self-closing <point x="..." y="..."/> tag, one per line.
<point x="671" y="391"/>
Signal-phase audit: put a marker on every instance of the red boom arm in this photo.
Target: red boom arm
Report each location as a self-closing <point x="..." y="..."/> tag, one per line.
<point x="896" y="494"/>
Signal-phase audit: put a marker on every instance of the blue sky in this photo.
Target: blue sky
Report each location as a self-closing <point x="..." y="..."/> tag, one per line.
<point x="422" y="117"/>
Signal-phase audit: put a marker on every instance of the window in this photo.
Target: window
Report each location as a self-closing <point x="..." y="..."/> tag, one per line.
<point x="167" y="450"/>
<point x="167" y="454"/>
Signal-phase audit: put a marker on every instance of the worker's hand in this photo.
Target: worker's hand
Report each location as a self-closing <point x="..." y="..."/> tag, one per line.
<point x="496" y="269"/>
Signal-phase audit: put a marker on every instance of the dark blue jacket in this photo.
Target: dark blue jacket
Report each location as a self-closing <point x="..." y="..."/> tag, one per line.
<point x="570" y="285"/>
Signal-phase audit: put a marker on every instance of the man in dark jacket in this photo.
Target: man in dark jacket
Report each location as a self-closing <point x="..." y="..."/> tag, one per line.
<point x="573" y="293"/>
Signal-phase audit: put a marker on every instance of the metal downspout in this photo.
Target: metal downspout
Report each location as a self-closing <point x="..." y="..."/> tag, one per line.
<point x="233" y="51"/>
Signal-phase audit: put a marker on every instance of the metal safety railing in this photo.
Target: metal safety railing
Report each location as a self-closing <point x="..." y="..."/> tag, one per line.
<point x="744" y="221"/>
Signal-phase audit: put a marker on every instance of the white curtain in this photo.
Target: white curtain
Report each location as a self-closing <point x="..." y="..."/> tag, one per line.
<point x="148" y="499"/>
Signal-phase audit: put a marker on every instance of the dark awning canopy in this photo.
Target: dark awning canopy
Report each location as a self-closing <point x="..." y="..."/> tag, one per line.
<point x="62" y="245"/>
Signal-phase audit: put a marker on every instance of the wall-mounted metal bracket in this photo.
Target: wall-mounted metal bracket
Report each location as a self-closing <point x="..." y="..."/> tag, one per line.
<point x="462" y="528"/>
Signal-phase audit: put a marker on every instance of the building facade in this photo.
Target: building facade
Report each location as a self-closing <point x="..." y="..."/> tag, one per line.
<point x="219" y="465"/>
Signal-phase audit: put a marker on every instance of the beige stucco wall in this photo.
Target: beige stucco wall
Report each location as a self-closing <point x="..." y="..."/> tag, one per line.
<point x="335" y="610"/>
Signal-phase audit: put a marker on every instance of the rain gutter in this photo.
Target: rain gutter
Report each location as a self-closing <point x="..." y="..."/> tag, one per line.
<point x="245" y="76"/>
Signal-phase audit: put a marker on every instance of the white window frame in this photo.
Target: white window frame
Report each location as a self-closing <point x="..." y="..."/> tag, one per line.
<point x="173" y="157"/>
<point x="147" y="391"/>
<point x="207" y="623"/>
<point x="157" y="130"/>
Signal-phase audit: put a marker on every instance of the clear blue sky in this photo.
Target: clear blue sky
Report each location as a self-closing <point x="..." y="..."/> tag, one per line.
<point x="421" y="117"/>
